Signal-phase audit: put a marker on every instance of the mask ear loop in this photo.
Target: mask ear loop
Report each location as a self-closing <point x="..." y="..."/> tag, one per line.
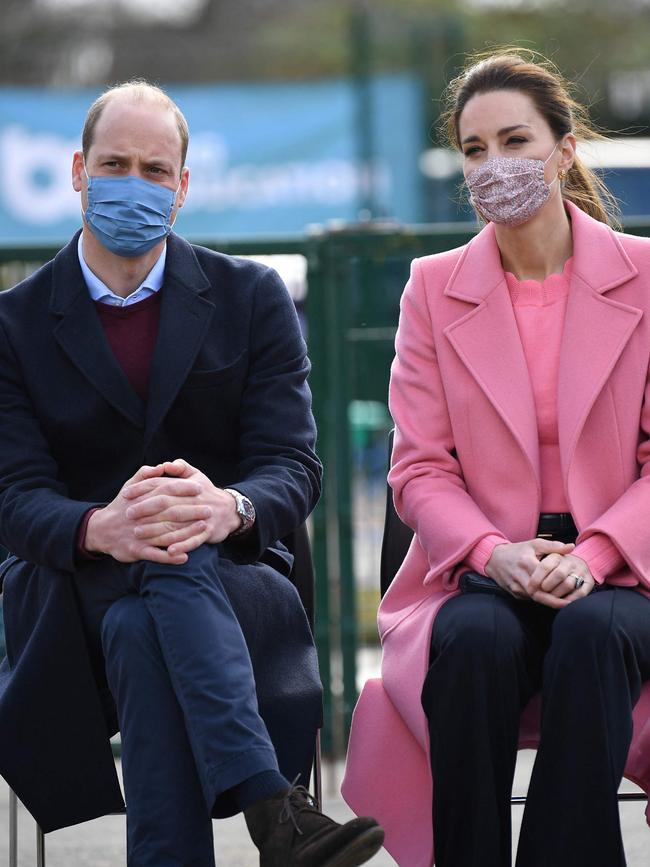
<point x="173" y="204"/>
<point x="561" y="173"/>
<point x="87" y="192"/>
<point x="178" y="189"/>
<point x="88" y="178"/>
<point x="551" y="153"/>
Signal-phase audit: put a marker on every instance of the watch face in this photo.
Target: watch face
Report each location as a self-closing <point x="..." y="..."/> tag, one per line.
<point x="247" y="511"/>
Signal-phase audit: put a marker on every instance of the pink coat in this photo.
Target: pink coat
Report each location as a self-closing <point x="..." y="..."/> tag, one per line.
<point x="459" y="386"/>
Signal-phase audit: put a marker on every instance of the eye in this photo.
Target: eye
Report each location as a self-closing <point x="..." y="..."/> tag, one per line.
<point x="516" y="139"/>
<point x="158" y="171"/>
<point x="471" y="151"/>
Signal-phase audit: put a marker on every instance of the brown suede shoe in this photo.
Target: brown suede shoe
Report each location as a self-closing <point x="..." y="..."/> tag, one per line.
<point x="290" y="832"/>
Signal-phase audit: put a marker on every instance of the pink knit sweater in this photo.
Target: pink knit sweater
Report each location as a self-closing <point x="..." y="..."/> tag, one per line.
<point x="539" y="309"/>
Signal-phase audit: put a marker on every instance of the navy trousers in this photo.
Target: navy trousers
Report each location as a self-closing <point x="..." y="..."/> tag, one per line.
<point x="489" y="655"/>
<point x="177" y="665"/>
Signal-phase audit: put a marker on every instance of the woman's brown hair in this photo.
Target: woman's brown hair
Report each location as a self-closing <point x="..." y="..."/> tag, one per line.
<point x="529" y="73"/>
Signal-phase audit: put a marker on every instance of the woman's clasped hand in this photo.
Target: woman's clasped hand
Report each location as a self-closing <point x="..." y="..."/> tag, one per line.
<point x="542" y="570"/>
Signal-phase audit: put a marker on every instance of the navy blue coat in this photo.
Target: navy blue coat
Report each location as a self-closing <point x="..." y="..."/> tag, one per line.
<point x="228" y="393"/>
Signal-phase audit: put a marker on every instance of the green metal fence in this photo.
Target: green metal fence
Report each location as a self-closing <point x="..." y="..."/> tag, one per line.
<point x="355" y="278"/>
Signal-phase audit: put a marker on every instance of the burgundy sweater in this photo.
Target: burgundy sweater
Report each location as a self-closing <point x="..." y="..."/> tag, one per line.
<point x="131" y="332"/>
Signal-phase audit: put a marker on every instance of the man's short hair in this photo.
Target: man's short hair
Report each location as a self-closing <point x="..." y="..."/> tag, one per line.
<point x="137" y="90"/>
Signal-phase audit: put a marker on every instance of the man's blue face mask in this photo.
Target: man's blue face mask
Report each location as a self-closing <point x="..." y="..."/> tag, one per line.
<point x="128" y="215"/>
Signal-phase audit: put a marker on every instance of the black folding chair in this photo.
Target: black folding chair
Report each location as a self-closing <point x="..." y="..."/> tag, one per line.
<point x="395" y="543"/>
<point x="396" y="539"/>
<point x="303" y="578"/>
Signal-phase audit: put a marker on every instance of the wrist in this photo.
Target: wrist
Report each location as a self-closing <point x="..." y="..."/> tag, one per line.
<point x="234" y="522"/>
<point x="490" y="567"/>
<point x="93" y="542"/>
<point x="480" y="554"/>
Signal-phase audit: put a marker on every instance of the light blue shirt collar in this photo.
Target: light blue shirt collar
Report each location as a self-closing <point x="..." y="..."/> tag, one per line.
<point x="99" y="291"/>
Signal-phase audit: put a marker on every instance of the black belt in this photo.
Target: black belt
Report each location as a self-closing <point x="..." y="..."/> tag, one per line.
<point x="557" y="525"/>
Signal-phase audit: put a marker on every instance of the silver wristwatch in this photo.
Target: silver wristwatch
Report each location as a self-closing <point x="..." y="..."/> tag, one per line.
<point x="245" y="510"/>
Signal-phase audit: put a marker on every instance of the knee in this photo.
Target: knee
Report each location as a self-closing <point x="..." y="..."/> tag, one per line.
<point x="201" y="569"/>
<point x="127" y="623"/>
<point x="265" y="603"/>
<point x="481" y="630"/>
<point x="586" y="623"/>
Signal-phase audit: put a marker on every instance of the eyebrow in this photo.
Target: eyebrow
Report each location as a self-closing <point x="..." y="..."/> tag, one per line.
<point x="116" y="155"/>
<point x="504" y="131"/>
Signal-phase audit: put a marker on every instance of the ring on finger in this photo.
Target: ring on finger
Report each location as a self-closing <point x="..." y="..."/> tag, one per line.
<point x="579" y="581"/>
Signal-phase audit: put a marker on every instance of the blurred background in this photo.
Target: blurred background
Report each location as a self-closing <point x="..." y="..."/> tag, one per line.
<point x="313" y="144"/>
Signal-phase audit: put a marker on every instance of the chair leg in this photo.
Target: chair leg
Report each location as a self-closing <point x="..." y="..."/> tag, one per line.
<point x="13" y="829"/>
<point x="520" y="800"/>
<point x="40" y="847"/>
<point x="318" y="778"/>
<point x="13" y="835"/>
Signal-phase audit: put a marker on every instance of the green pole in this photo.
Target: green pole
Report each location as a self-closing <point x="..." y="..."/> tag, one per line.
<point x="318" y="382"/>
<point x="342" y="264"/>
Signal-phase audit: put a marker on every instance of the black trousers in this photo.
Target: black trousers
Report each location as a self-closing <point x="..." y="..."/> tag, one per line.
<point x="489" y="655"/>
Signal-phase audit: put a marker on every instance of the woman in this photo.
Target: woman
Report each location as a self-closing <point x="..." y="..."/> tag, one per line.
<point x="521" y="399"/>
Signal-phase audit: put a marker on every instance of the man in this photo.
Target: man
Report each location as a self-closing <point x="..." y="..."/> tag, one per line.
<point x="156" y="440"/>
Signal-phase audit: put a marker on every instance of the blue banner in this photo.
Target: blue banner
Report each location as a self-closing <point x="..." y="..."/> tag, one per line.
<point x="263" y="158"/>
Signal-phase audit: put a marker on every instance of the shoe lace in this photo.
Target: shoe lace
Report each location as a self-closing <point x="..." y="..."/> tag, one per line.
<point x="296" y="800"/>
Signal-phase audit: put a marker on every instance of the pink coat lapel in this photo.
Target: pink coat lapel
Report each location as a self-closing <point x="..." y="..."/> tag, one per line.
<point x="596" y="329"/>
<point x="487" y="340"/>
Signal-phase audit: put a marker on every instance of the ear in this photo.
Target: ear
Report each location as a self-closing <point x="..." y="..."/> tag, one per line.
<point x="182" y="187"/>
<point x="568" y="147"/>
<point x="78" y="171"/>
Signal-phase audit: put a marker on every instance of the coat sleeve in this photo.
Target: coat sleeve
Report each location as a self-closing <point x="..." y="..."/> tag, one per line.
<point x="278" y="468"/>
<point x="426" y="477"/>
<point x="38" y="520"/>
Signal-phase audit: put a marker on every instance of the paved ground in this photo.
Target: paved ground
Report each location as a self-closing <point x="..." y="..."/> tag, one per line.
<point x="101" y="843"/>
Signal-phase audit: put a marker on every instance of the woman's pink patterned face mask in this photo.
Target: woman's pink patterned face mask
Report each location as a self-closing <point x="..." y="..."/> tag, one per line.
<point x="509" y="190"/>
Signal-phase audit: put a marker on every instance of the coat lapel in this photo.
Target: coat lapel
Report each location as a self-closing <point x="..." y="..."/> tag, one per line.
<point x="487" y="341"/>
<point x="597" y="327"/>
<point x="81" y="336"/>
<point x="185" y="317"/>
